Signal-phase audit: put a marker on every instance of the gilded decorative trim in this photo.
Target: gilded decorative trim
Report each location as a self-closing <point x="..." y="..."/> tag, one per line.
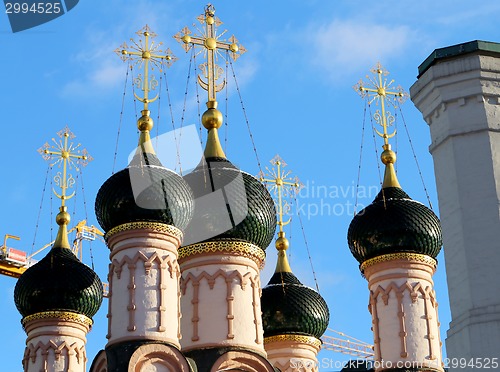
<point x="155" y="226"/>
<point x="59" y="315"/>
<point x="224" y="246"/>
<point x="422" y="258"/>
<point x="296" y="338"/>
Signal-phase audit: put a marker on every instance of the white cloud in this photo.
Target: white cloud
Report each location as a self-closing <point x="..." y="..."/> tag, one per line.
<point x="245" y="69"/>
<point x="107" y="75"/>
<point x="102" y="70"/>
<point x="104" y="76"/>
<point x="344" y="47"/>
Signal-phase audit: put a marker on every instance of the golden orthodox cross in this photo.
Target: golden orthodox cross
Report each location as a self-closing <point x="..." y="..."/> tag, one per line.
<point x="212" y="44"/>
<point x="67" y="154"/>
<point x="282" y="185"/>
<point x="143" y="53"/>
<point x="380" y="90"/>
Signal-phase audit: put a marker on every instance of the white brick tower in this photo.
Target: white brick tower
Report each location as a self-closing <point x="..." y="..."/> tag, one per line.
<point x="458" y="93"/>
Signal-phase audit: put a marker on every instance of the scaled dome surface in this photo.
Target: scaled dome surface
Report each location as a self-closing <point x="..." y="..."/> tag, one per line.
<point x="229" y="204"/>
<point x="162" y="196"/>
<point x="394" y="225"/>
<point x="58" y="282"/>
<point x="289" y="307"/>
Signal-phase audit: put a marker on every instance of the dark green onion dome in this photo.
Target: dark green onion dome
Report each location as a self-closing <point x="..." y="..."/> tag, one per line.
<point x="58" y="282"/>
<point x="394" y="223"/>
<point x="289" y="307"/>
<point x="229" y="204"/>
<point x="162" y="195"/>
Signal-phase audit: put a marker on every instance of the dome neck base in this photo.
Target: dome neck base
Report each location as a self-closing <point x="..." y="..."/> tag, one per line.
<point x="213" y="148"/>
<point x="145" y="124"/>
<point x="282" y="265"/>
<point x="62" y="220"/>
<point x="145" y="145"/>
<point x="388" y="157"/>
<point x="390" y="178"/>
<point x="212" y="121"/>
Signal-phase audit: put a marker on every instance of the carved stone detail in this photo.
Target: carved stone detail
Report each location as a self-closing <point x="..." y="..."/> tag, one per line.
<point x="416" y="291"/>
<point x="59" y="350"/>
<point x="163" y="263"/>
<point x="241" y="360"/>
<point x="158" y="356"/>
<point x="100" y="363"/>
<point x="229" y="278"/>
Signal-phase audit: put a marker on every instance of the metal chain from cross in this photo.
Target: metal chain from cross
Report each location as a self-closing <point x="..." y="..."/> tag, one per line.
<point x="380" y="91"/>
<point x="143" y="53"/>
<point x="211" y="43"/>
<point x="69" y="155"/>
<point x="283" y="185"/>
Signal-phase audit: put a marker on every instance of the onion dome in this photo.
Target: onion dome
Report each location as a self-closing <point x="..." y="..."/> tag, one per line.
<point x="145" y="191"/>
<point x="393" y="222"/>
<point x="229" y="203"/>
<point x="288" y="306"/>
<point x="59" y="282"/>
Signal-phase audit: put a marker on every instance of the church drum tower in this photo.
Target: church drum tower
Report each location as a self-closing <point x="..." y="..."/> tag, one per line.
<point x="396" y="240"/>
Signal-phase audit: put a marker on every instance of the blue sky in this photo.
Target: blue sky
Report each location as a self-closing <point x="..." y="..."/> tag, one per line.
<point x="296" y="83"/>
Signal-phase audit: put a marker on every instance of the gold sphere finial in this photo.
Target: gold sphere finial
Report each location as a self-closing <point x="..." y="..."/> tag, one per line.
<point x="145" y="122"/>
<point x="210" y="20"/>
<point x="210" y="43"/>
<point x="388" y="156"/>
<point x="63" y="217"/>
<point x="212" y="118"/>
<point x="186" y="39"/>
<point x="234" y="48"/>
<point x="282" y="243"/>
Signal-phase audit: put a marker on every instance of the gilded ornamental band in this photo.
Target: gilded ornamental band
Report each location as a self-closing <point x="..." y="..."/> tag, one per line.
<point x="154" y="226"/>
<point x="295" y="338"/>
<point x="59" y="315"/>
<point x="421" y="258"/>
<point x="224" y="246"/>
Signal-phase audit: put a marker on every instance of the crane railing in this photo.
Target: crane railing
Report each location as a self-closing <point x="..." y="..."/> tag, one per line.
<point x="348" y="345"/>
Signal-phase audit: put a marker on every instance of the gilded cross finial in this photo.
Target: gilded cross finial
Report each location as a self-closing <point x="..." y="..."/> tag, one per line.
<point x="68" y="156"/>
<point x="211" y="44"/>
<point x="283" y="185"/>
<point x="147" y="54"/>
<point x="380" y="90"/>
<point x="65" y="155"/>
